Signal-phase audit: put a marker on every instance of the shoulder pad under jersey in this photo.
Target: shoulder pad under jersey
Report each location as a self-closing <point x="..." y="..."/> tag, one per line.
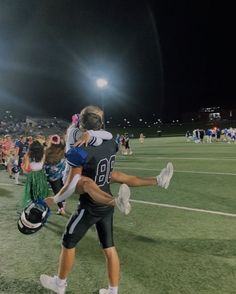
<point x="76" y="156"/>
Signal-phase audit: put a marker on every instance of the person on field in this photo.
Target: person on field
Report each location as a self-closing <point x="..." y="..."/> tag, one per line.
<point x="74" y="133"/>
<point x="36" y="185"/>
<point x="97" y="164"/>
<point x="54" y="165"/>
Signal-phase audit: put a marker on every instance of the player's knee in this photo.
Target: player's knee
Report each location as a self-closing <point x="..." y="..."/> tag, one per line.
<point x="110" y="252"/>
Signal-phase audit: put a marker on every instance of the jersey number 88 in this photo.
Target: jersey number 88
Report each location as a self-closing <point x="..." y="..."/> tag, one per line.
<point x="104" y="170"/>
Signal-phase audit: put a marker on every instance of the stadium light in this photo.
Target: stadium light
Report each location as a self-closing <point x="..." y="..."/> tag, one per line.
<point x="102" y="84"/>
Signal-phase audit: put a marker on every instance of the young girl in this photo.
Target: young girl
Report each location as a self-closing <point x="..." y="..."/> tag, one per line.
<point x="54" y="166"/>
<point x="36" y="185"/>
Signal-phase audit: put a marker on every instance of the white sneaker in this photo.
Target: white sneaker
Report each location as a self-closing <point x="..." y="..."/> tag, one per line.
<point x="103" y="291"/>
<point x="163" y="180"/>
<point x="122" y="201"/>
<point x="51" y="284"/>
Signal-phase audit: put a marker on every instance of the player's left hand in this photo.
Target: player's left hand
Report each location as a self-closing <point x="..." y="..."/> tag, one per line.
<point x="83" y="140"/>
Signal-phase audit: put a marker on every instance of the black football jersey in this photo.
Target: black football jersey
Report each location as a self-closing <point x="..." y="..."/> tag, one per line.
<point x="98" y="166"/>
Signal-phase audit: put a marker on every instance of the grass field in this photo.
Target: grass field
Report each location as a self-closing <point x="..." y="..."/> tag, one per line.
<point x="184" y="248"/>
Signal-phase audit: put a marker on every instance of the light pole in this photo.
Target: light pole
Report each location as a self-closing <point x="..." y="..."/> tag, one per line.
<point x="102" y="84"/>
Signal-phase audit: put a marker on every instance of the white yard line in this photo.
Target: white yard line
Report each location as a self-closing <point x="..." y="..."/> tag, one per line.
<point x="185" y="208"/>
<point x="5" y="184"/>
<point x="207" y="173"/>
<point x="180" y="171"/>
<point x="167" y="205"/>
<point x="184" y="158"/>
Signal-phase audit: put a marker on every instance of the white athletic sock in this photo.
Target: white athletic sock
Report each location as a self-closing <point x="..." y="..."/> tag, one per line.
<point x="61" y="282"/>
<point x="112" y="290"/>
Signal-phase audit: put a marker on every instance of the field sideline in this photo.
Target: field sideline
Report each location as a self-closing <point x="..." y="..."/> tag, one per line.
<point x="176" y="241"/>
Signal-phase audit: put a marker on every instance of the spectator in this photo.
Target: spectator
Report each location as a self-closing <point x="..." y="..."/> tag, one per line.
<point x="54" y="166"/>
<point x="36" y="185"/>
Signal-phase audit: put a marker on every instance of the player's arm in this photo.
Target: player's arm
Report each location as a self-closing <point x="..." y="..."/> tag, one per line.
<point x="132" y="181"/>
<point x="97" y="137"/>
<point x="92" y="138"/>
<point x="87" y="185"/>
<point x="68" y="189"/>
<point x="86" y="139"/>
<point x="73" y="135"/>
<point x="70" y="185"/>
<point x="104" y="135"/>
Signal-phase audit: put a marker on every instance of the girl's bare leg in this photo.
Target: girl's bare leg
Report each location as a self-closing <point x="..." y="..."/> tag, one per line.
<point x="87" y="185"/>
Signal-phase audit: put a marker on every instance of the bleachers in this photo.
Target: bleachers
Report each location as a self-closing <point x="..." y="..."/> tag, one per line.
<point x="15" y="125"/>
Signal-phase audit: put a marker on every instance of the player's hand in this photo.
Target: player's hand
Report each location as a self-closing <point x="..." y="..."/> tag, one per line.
<point x="83" y="140"/>
<point x="50" y="201"/>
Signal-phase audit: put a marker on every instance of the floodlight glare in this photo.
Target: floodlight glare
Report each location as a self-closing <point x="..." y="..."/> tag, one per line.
<point x="101" y="83"/>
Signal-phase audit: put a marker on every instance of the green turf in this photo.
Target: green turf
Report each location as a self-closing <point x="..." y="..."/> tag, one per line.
<point x="162" y="250"/>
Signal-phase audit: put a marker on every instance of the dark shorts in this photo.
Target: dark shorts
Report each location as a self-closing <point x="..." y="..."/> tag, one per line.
<point x="81" y="221"/>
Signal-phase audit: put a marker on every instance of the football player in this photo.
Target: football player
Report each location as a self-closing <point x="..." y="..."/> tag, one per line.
<point x="96" y="164"/>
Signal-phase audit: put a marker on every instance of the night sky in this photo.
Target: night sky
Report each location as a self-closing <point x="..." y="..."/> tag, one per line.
<point x="159" y="57"/>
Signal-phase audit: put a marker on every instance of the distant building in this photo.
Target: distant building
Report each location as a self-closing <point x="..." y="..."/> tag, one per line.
<point x="208" y="114"/>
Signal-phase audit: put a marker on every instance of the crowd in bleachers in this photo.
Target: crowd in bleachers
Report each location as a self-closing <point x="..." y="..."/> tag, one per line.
<point x="12" y="126"/>
<point x="15" y="125"/>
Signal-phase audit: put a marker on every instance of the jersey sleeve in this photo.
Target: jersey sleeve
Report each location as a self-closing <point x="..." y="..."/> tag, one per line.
<point x="97" y="137"/>
<point x="76" y="156"/>
<point x="104" y="135"/>
<point x="95" y="141"/>
<point x="72" y="135"/>
<point x="76" y="135"/>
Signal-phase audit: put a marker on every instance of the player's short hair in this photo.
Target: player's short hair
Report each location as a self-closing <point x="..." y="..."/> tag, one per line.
<point x="91" y="118"/>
